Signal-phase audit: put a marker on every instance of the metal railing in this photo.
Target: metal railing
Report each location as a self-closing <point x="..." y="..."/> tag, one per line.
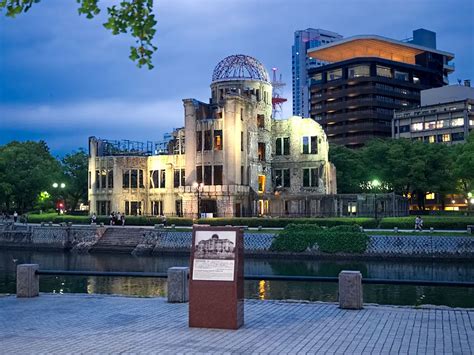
<point x="325" y="279"/>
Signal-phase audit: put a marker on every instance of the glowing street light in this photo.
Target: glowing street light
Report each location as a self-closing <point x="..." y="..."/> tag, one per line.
<point x="375" y="183"/>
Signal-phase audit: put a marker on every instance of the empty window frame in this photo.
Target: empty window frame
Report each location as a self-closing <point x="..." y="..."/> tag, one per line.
<point x="260" y="121"/>
<point x="208" y="140"/>
<point x="207" y="175"/>
<point x="282" y="178"/>
<point x="199" y="141"/>
<point x="261" y="151"/>
<point x="217" y="174"/>
<point x="310" y="177"/>
<point x="282" y="146"/>
<point x="310" y="145"/>
<point x="359" y="71"/>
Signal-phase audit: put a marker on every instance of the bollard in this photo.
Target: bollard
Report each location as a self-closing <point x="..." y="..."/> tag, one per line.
<point x="350" y="289"/>
<point x="178" y="285"/>
<point x="431" y="229"/>
<point x="259" y="228"/>
<point x="27" y="282"/>
<point x="173" y="226"/>
<point x="395" y="229"/>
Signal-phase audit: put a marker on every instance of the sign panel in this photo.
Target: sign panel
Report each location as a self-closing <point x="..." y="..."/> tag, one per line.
<point x="214" y="256"/>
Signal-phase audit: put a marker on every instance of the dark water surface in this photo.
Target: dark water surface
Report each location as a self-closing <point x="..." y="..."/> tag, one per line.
<point x="383" y="294"/>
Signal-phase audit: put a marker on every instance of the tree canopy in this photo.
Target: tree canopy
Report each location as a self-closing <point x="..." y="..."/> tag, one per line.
<point x="407" y="167"/>
<point x="129" y="16"/>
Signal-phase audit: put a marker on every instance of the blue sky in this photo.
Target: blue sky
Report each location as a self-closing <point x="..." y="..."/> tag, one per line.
<point x="64" y="78"/>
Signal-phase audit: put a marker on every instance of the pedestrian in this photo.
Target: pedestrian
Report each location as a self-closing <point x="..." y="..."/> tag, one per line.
<point x="418" y="223"/>
<point x="123" y="219"/>
<point x="118" y="218"/>
<point x="93" y="218"/>
<point x="111" y="218"/>
<point x="15" y="216"/>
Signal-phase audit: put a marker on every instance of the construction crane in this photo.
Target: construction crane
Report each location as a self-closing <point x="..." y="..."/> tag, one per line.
<point x="277" y="99"/>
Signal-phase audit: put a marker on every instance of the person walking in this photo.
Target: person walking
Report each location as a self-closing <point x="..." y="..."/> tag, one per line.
<point x="418" y="223"/>
<point x="15" y="216"/>
<point x="93" y="218"/>
<point x="123" y="219"/>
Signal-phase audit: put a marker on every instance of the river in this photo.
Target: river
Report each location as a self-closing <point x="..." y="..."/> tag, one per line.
<point x="148" y="287"/>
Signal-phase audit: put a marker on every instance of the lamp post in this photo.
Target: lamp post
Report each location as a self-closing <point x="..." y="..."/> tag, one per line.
<point x="375" y="184"/>
<point x="60" y="202"/>
<point x="198" y="187"/>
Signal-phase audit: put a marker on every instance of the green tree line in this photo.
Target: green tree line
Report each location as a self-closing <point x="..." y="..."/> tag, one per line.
<point x="406" y="167"/>
<point x="28" y="172"/>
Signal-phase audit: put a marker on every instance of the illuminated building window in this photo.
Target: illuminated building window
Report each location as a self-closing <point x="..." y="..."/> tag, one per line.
<point x="430" y="125"/>
<point x="430" y="196"/>
<point x="310" y="177"/>
<point x="416" y="80"/>
<point x="417" y="126"/>
<point x="432" y="139"/>
<point x="359" y="71"/>
<point x="310" y="145"/>
<point x="446" y="137"/>
<point x="334" y="74"/>
<point x="261" y="151"/>
<point x="218" y="140"/>
<point x="384" y="71"/>
<point x="457" y="122"/>
<point x="442" y="124"/>
<point x="261" y="183"/>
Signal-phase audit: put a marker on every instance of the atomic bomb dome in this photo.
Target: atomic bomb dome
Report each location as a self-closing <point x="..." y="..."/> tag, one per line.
<point x="239" y="67"/>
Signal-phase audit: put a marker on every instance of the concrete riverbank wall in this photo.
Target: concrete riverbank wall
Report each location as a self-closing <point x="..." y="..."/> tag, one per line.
<point x="145" y="241"/>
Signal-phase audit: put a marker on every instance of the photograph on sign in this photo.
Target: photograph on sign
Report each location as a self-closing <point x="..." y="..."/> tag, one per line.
<point x="214" y="255"/>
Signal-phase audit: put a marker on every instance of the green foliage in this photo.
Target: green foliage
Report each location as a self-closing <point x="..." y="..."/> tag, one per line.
<point x="463" y="167"/>
<point x="75" y="168"/>
<point x="283" y="222"/>
<point x="339" y="239"/>
<point x="350" y="170"/>
<point x="26" y="170"/>
<point x="129" y="220"/>
<point x="436" y="222"/>
<point x="130" y="16"/>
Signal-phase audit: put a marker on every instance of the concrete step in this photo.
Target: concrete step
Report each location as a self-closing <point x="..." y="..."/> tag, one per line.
<point x="119" y="239"/>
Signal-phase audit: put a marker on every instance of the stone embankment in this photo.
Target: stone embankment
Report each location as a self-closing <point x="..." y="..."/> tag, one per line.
<point x="146" y="241"/>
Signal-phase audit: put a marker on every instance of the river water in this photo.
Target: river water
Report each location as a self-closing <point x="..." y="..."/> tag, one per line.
<point x="148" y="287"/>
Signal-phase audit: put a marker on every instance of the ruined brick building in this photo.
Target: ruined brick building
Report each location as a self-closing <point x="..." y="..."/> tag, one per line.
<point x="231" y="158"/>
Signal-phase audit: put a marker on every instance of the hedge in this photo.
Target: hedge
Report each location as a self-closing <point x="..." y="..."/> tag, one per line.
<point x="283" y="222"/>
<point x="436" y="222"/>
<point x="339" y="239"/>
<point x="129" y="220"/>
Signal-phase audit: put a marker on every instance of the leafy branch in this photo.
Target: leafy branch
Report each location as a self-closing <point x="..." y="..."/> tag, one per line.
<point x="130" y="16"/>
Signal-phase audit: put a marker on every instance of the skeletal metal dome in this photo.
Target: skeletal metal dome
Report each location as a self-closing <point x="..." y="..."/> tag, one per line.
<point x="239" y="67"/>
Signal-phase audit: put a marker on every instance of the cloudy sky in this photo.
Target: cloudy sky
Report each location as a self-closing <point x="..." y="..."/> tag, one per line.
<point x="64" y="78"/>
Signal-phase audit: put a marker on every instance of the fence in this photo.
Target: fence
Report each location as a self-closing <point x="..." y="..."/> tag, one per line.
<point x="350" y="282"/>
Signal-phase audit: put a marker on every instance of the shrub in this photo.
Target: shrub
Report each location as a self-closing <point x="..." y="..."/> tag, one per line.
<point x="339" y="239"/>
<point x="437" y="222"/>
<point x="283" y="222"/>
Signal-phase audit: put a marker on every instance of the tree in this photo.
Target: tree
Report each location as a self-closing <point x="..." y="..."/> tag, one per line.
<point x="26" y="169"/>
<point x="350" y="172"/>
<point x="463" y="169"/>
<point x="75" y="168"/>
<point x="130" y="16"/>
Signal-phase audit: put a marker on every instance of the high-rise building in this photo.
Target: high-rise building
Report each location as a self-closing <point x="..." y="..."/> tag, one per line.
<point x="301" y="62"/>
<point x="369" y="77"/>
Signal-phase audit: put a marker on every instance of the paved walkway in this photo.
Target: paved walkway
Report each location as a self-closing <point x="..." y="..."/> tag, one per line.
<point x="112" y="324"/>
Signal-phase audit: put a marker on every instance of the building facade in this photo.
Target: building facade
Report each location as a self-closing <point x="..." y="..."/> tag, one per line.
<point x="301" y="63"/>
<point x="446" y="115"/>
<point x="231" y="158"/>
<point x="369" y="77"/>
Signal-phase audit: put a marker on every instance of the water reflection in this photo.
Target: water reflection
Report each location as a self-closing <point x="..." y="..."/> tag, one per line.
<point x="263" y="289"/>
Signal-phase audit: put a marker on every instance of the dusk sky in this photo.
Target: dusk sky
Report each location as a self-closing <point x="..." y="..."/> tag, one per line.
<point x="64" y="78"/>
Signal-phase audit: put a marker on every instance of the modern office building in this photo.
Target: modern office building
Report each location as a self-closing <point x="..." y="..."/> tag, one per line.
<point x="301" y="63"/>
<point x="231" y="158"/>
<point x="369" y="77"/>
<point x="446" y="115"/>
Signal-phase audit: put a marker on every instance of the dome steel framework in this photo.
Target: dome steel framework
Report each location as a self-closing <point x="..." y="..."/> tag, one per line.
<point x="239" y="67"/>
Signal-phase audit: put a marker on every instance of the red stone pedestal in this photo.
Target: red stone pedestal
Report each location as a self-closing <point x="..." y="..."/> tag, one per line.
<point x="216" y="293"/>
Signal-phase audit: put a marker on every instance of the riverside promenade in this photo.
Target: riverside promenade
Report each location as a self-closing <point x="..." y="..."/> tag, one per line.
<point x="79" y="323"/>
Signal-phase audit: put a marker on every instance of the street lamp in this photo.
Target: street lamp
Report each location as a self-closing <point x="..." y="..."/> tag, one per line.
<point x="198" y="187"/>
<point x="375" y="184"/>
<point x="60" y="202"/>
